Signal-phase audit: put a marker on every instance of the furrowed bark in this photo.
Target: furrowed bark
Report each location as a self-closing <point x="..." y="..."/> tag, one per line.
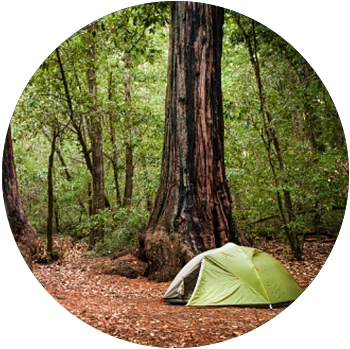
<point x="25" y="235"/>
<point x="192" y="211"/>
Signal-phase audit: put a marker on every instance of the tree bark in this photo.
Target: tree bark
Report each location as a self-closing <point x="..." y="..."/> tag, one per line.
<point x="89" y="187"/>
<point x="192" y="211"/>
<point x="25" y="235"/>
<point x="116" y="180"/>
<point x="95" y="130"/>
<point x="57" y="218"/>
<point x="129" y="175"/>
<point x="50" y="196"/>
<point x="114" y="157"/>
<point x="63" y="163"/>
<point x="129" y="160"/>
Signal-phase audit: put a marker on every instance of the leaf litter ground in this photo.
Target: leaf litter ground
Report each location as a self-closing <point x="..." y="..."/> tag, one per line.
<point x="129" y="309"/>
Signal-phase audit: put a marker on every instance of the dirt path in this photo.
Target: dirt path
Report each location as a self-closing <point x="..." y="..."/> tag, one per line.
<point x="129" y="309"/>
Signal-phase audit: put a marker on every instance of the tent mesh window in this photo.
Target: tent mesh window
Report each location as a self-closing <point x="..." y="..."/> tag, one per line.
<point x="190" y="282"/>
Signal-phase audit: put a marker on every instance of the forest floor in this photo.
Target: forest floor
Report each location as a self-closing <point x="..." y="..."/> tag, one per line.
<point x="129" y="309"/>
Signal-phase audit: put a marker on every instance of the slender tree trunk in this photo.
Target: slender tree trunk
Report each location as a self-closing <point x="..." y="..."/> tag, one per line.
<point x="63" y="163"/>
<point x="77" y="124"/>
<point x="98" y="191"/>
<point x="72" y="114"/>
<point x="23" y="232"/>
<point x="129" y="159"/>
<point x="116" y="179"/>
<point x="283" y="215"/>
<point x="192" y="211"/>
<point x="90" y="198"/>
<point x="285" y="206"/>
<point x="57" y="219"/>
<point x="69" y="179"/>
<point x="147" y="191"/>
<point x="149" y="202"/>
<point x="50" y="196"/>
<point x="114" y="158"/>
<point x="129" y="175"/>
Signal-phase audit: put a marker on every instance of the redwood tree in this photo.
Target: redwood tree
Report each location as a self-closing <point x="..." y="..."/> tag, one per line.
<point x="23" y="232"/>
<point x="192" y="211"/>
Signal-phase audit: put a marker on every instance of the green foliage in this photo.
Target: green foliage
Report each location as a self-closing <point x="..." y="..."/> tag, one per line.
<point x="121" y="227"/>
<point x="131" y="49"/>
<point x="307" y="126"/>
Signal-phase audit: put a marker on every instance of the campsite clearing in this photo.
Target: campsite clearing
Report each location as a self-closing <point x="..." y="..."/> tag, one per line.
<point x="128" y="308"/>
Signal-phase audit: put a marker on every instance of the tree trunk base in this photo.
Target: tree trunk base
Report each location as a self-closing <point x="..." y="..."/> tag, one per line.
<point x="26" y="239"/>
<point x="165" y="254"/>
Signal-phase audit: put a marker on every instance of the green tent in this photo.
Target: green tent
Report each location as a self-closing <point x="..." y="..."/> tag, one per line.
<point x="233" y="275"/>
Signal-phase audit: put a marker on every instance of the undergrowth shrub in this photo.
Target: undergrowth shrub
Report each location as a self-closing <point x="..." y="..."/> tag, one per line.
<point x="121" y="227"/>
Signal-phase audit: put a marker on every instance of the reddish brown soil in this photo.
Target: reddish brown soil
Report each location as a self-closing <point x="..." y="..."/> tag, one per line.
<point x="129" y="309"/>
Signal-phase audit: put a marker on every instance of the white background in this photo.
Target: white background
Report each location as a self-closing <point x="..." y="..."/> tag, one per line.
<point x="30" y="31"/>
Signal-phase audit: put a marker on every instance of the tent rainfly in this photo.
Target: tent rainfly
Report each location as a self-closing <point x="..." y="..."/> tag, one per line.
<point x="233" y="275"/>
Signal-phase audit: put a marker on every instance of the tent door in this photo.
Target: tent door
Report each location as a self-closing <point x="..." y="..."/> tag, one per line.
<point x="190" y="282"/>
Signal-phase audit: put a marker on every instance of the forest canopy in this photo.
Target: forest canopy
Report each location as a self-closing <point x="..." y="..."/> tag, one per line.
<point x="93" y="113"/>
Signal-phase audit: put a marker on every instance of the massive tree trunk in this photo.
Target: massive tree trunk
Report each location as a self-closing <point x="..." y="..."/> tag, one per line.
<point x="95" y="130"/>
<point x="192" y="210"/>
<point x="23" y="232"/>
